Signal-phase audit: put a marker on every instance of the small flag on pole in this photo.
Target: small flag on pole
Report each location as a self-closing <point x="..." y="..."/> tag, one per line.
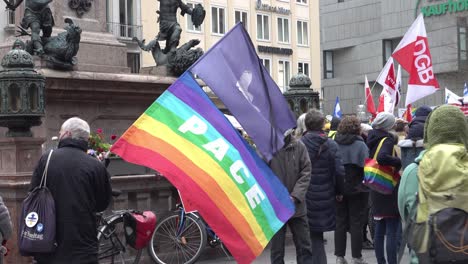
<point x="337" y="110"/>
<point x="369" y="99"/>
<point x="389" y="92"/>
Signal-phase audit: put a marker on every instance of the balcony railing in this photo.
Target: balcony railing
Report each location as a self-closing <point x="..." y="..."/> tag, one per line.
<point x="124" y="31"/>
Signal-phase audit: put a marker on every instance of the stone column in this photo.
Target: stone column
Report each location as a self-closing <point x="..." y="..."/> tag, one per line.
<point x="18" y="158"/>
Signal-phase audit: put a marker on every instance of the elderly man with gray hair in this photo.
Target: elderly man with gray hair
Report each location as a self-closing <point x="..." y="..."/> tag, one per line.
<point x="80" y="185"/>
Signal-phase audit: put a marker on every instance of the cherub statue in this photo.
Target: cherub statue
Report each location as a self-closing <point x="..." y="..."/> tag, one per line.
<point x="37" y="16"/>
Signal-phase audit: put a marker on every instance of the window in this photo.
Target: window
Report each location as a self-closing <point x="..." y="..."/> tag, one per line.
<point x="133" y="62"/>
<point x="328" y="64"/>
<point x="462" y="40"/>
<point x="126" y="18"/>
<point x="303" y="67"/>
<point x="218" y="20"/>
<point x="301" y="1"/>
<point x="283" y="30"/>
<point x="241" y="16"/>
<point x="190" y="26"/>
<point x="267" y="64"/>
<point x="388" y="46"/>
<point x="263" y="27"/>
<point x="11" y="17"/>
<point x="284" y="74"/>
<point x="302" y="33"/>
<point x="387" y="49"/>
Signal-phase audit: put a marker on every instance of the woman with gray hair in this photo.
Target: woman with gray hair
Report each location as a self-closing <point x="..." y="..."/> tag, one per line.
<point x="326" y="183"/>
<point x="300" y="126"/>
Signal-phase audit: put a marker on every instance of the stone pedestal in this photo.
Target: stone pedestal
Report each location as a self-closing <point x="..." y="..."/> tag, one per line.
<point x="18" y="158"/>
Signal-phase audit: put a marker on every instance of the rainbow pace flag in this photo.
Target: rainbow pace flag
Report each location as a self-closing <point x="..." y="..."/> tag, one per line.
<point x="186" y="138"/>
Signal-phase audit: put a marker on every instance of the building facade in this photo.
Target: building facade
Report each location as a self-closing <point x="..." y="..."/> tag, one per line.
<point x="358" y="36"/>
<point x="284" y="32"/>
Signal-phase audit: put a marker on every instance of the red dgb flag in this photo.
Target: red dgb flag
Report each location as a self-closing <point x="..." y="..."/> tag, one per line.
<point x="413" y="55"/>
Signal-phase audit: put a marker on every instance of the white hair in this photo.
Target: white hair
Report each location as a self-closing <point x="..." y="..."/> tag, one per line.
<point x="78" y="128"/>
<point x="300" y="126"/>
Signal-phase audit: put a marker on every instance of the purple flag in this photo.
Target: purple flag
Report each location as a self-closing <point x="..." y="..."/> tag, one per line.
<point x="233" y="71"/>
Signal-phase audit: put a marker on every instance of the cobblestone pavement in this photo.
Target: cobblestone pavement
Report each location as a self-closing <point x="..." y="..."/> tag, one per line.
<point x="216" y="255"/>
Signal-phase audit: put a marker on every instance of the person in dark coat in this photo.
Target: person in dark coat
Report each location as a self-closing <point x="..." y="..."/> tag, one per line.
<point x="350" y="211"/>
<point x="292" y="166"/>
<point x="80" y="185"/>
<point x="326" y="183"/>
<point x="416" y="127"/>
<point x="6" y="229"/>
<point x="335" y="122"/>
<point x="385" y="206"/>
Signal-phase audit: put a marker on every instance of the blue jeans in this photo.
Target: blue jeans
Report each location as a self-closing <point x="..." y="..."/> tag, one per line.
<point x="391" y="228"/>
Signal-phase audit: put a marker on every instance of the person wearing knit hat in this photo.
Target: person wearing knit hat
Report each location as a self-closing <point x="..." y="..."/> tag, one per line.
<point x="385" y="206"/>
<point x="384" y="121"/>
<point x="442" y="166"/>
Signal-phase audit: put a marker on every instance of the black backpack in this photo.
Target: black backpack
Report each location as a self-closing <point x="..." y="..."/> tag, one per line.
<point x="36" y="232"/>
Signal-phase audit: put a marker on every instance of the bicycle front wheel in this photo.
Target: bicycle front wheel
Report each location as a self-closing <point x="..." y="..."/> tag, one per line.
<point x="112" y="245"/>
<point x="168" y="246"/>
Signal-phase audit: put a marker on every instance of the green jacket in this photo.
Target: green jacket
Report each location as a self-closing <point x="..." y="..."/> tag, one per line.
<point x="409" y="186"/>
<point x="439" y="162"/>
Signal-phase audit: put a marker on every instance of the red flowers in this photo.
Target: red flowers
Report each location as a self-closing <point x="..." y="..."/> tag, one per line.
<point x="113" y="137"/>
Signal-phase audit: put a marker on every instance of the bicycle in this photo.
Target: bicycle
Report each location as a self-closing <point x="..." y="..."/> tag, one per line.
<point x="111" y="238"/>
<point x="181" y="237"/>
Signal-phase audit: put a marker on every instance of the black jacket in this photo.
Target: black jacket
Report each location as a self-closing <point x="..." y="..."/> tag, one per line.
<point x="384" y="205"/>
<point x="416" y="127"/>
<point x="326" y="181"/>
<point x="353" y="152"/>
<point x="81" y="187"/>
<point x="292" y="166"/>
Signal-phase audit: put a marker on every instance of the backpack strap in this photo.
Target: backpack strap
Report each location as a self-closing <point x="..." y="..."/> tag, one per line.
<point x="44" y="174"/>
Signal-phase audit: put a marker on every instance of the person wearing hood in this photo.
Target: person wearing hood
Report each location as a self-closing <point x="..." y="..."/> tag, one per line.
<point x="292" y="166"/>
<point x="446" y="154"/>
<point x="326" y="183"/>
<point x="335" y="122"/>
<point x="384" y="206"/>
<point x="350" y="211"/>
<point x="416" y="127"/>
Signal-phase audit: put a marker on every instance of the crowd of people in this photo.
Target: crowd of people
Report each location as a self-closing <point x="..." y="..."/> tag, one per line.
<point x="336" y="199"/>
<point x="321" y="166"/>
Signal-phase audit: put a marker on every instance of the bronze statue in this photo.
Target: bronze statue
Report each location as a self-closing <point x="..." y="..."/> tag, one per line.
<point x="177" y="59"/>
<point x="169" y="28"/>
<point x="37" y="16"/>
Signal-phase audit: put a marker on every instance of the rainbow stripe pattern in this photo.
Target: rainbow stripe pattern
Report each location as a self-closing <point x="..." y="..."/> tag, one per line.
<point x="380" y="178"/>
<point x="186" y="138"/>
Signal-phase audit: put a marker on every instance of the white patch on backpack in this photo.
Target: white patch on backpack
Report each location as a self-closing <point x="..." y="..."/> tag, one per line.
<point x="31" y="219"/>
